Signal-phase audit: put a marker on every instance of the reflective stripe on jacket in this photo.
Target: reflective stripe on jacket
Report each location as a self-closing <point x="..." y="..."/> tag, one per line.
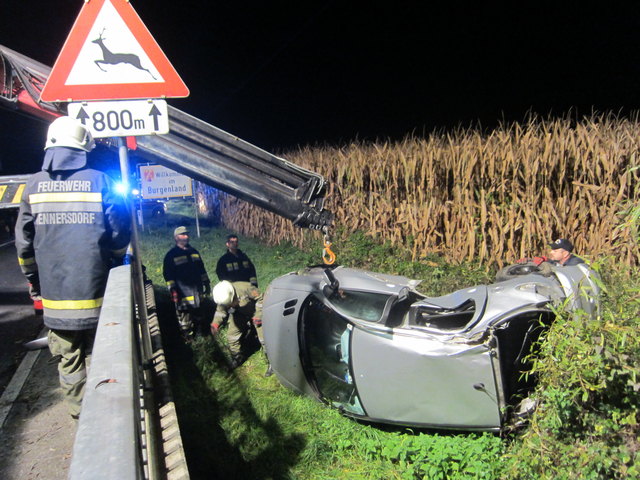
<point x="236" y="268"/>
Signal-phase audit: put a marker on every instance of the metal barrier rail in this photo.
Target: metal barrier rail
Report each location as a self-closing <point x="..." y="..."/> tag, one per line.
<point x="126" y="432"/>
<point x="107" y="443"/>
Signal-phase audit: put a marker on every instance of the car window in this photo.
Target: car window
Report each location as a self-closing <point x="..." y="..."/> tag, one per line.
<point x="326" y="342"/>
<point x="363" y="305"/>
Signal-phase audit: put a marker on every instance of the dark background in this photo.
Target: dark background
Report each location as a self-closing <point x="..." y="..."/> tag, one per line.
<point x="282" y="74"/>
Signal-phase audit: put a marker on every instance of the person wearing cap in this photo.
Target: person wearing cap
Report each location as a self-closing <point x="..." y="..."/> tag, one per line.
<point x="188" y="284"/>
<point x="235" y="265"/>
<point x="72" y="227"/>
<point x="561" y="253"/>
<point x="239" y="304"/>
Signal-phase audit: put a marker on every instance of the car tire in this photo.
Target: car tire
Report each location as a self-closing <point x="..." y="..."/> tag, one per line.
<point x="514" y="271"/>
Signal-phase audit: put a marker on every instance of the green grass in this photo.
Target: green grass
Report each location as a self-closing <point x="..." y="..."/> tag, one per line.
<point x="239" y="424"/>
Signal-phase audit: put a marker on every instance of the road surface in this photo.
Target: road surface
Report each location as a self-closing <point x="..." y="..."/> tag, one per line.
<point x="36" y="433"/>
<point x="18" y="323"/>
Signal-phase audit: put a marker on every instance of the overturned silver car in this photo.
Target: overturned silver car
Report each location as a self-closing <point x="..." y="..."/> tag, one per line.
<point x="370" y="345"/>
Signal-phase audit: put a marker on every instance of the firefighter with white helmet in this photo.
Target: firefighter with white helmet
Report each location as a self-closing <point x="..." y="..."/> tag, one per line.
<point x="239" y="304"/>
<point x="67" y="132"/>
<point x="224" y="294"/>
<point x="72" y="228"/>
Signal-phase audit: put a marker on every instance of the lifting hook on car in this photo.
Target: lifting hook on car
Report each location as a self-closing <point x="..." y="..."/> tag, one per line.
<point x="328" y="257"/>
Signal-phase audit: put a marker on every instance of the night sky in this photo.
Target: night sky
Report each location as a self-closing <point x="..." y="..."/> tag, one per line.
<point x="282" y="74"/>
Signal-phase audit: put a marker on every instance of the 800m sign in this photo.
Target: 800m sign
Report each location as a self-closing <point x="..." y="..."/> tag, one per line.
<point x="124" y="118"/>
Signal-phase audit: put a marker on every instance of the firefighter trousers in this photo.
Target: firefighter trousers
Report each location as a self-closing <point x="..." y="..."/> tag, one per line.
<point x="241" y="334"/>
<point x="194" y="321"/>
<point x="74" y="348"/>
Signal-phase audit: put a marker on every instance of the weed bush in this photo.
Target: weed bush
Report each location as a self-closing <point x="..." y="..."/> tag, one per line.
<point x="587" y="423"/>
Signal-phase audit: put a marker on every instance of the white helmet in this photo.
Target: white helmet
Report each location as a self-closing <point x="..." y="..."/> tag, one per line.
<point x="223" y="293"/>
<point x="67" y="132"/>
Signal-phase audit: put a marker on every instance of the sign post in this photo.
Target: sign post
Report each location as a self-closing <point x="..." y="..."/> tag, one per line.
<point x="115" y="74"/>
<point x="195" y="204"/>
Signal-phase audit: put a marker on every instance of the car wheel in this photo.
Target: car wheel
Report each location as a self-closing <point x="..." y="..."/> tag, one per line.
<point x="519" y="269"/>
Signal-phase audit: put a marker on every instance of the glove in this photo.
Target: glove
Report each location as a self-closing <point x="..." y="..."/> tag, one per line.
<point x="174" y="295"/>
<point x="214" y="328"/>
<point x="207" y="289"/>
<point x="34" y="292"/>
<point x="534" y="260"/>
<point x="257" y="321"/>
<point x="539" y="260"/>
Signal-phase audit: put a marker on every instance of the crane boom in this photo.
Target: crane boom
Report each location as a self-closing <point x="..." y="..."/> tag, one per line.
<point x="192" y="147"/>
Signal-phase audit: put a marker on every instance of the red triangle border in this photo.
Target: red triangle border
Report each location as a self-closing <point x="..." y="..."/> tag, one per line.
<point x="55" y="89"/>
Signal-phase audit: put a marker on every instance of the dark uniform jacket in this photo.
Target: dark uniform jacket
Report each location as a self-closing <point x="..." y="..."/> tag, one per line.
<point x="573" y="260"/>
<point x="71" y="227"/>
<point x="184" y="271"/>
<point x="236" y="268"/>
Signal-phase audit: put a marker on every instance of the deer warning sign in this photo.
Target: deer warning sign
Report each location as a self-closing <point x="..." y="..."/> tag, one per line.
<point x="110" y="55"/>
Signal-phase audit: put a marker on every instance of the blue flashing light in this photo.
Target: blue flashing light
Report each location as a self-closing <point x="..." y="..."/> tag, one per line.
<point x="122" y="188"/>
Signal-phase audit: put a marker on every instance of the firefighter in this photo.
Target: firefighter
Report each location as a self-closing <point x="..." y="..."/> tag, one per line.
<point x="239" y="304"/>
<point x="235" y="265"/>
<point x="72" y="228"/>
<point x="188" y="284"/>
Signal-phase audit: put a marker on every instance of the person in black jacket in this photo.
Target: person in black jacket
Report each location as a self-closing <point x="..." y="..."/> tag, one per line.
<point x="561" y="253"/>
<point x="235" y="266"/>
<point x="72" y="228"/>
<point x="188" y="284"/>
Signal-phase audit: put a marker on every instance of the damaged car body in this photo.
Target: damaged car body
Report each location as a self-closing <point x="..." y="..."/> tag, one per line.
<point x="372" y="346"/>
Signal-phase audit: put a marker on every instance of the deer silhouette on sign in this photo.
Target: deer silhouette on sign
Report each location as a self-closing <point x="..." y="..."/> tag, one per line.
<point x="109" y="58"/>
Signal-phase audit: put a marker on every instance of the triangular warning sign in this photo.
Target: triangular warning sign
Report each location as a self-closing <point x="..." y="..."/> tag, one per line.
<point x="110" y="55"/>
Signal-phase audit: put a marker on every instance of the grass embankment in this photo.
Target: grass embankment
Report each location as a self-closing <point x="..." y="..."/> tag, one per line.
<point x="242" y="425"/>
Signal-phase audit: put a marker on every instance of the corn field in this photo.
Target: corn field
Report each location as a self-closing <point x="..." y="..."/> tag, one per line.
<point x="490" y="197"/>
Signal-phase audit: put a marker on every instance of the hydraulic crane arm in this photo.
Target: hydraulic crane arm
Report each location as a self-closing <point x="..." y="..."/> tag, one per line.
<point x="219" y="159"/>
<point x="192" y="147"/>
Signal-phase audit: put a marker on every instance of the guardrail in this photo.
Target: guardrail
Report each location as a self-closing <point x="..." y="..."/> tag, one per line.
<point x="107" y="440"/>
<point x="125" y="431"/>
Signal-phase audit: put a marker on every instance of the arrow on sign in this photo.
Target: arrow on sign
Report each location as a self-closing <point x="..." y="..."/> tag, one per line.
<point x="155" y="113"/>
<point x="83" y="116"/>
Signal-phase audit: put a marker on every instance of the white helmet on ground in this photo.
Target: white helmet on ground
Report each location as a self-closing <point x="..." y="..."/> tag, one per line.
<point x="67" y="132"/>
<point x="223" y="293"/>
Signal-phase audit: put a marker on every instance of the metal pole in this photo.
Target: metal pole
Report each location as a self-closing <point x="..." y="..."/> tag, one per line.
<point x="143" y="332"/>
<point x="140" y="199"/>
<point x="140" y="213"/>
<point x="195" y="204"/>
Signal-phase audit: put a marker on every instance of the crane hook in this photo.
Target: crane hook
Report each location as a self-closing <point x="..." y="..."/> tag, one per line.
<point x="328" y="257"/>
